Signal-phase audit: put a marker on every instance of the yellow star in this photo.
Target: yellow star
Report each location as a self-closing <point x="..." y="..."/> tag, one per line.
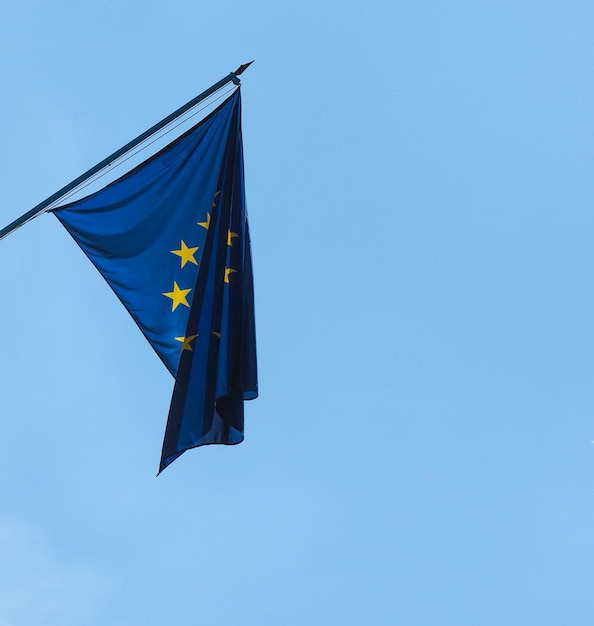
<point x="214" y="200"/>
<point x="230" y="236"/>
<point x="207" y="223"/>
<point x="178" y="296"/>
<point x="214" y="332"/>
<point x="228" y="270"/>
<point x="186" y="254"/>
<point x="185" y="341"/>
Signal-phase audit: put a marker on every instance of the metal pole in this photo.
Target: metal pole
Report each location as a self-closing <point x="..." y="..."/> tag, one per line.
<point x="34" y="212"/>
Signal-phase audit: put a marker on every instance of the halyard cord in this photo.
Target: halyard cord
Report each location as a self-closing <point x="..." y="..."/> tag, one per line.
<point x="142" y="146"/>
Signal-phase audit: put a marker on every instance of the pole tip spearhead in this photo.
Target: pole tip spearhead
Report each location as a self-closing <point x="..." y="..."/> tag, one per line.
<point x="242" y="68"/>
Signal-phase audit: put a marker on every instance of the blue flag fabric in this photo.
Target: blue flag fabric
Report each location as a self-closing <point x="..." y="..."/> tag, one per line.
<point x="171" y="238"/>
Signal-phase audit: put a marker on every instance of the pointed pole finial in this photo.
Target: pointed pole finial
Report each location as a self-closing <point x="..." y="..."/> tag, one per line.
<point x="242" y="68"/>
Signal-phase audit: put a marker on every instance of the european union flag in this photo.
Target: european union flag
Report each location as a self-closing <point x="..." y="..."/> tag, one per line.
<point x="171" y="238"/>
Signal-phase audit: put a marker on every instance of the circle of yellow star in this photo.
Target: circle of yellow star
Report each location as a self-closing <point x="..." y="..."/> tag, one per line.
<point x="207" y="223"/>
<point x="186" y="341"/>
<point x="230" y="236"/>
<point x="228" y="270"/>
<point x="178" y="296"/>
<point x="186" y="254"/>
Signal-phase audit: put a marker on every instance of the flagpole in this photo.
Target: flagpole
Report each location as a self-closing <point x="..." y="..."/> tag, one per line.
<point x="232" y="77"/>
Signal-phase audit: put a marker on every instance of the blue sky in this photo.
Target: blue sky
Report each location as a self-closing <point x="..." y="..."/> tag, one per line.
<point x="419" y="183"/>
